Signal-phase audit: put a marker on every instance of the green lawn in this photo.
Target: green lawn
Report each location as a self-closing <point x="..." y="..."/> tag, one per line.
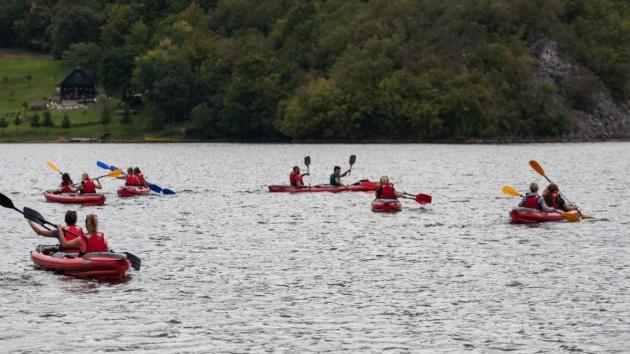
<point x="46" y="74"/>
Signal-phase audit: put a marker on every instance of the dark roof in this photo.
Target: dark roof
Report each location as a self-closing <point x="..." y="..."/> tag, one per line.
<point x="77" y="78"/>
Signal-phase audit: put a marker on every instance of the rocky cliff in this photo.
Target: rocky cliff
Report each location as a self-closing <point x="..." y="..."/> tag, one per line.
<point x="591" y="106"/>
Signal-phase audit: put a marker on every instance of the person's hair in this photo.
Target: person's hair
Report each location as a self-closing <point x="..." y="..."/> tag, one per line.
<point x="336" y="168"/>
<point x="296" y="168"/>
<point x="66" y="178"/>
<point x="71" y="217"/>
<point x="136" y="170"/>
<point x="85" y="176"/>
<point x="549" y="192"/>
<point x="384" y="178"/>
<point x="91" y="223"/>
<point x="533" y="187"/>
<point x="130" y="170"/>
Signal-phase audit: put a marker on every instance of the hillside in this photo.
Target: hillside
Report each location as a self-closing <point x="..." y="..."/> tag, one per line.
<point x="281" y="70"/>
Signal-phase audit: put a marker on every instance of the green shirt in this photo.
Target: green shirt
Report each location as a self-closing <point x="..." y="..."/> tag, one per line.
<point x="334" y="177"/>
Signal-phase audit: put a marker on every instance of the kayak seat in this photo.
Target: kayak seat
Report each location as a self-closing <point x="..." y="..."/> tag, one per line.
<point x="47" y="249"/>
<point x="65" y="255"/>
<point x="105" y="255"/>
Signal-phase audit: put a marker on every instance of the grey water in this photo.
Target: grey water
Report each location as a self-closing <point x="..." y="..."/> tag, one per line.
<point x="229" y="267"/>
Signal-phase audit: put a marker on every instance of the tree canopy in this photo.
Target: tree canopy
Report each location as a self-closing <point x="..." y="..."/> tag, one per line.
<point x="417" y="70"/>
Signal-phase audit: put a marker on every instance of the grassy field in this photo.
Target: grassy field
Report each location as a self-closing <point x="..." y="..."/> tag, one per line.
<point x="27" y="78"/>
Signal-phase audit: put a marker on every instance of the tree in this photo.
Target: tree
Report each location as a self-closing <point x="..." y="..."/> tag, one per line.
<point x="126" y="117"/>
<point x="84" y="55"/>
<point x="106" y="115"/>
<point x="3" y="123"/>
<point x="65" y="122"/>
<point x="47" y="122"/>
<point x="35" y="121"/>
<point x="29" y="78"/>
<point x="73" y="23"/>
<point x="17" y="121"/>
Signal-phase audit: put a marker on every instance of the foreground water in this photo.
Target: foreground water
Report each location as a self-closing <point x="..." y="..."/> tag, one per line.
<point x="229" y="267"/>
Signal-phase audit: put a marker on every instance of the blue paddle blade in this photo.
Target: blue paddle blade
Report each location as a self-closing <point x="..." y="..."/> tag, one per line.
<point x="155" y="188"/>
<point x="167" y="191"/>
<point x="102" y="165"/>
<point x="113" y="168"/>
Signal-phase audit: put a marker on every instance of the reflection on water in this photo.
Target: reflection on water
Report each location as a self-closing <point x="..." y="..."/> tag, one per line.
<point x="229" y="267"/>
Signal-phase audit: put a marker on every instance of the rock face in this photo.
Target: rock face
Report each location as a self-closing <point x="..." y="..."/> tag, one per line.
<point x="605" y="118"/>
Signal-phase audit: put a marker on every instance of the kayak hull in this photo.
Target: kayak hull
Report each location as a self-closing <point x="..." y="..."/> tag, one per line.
<point x="361" y="186"/>
<point x="95" y="265"/>
<point x="75" y="198"/>
<point x="128" y="191"/>
<point x="533" y="216"/>
<point x="386" y="206"/>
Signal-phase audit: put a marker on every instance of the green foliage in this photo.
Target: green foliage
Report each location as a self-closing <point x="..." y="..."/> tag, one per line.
<point x="334" y="70"/>
<point x="65" y="122"/>
<point x="126" y="116"/>
<point x="35" y="121"/>
<point x="106" y="115"/>
<point x="3" y="123"/>
<point x="47" y="119"/>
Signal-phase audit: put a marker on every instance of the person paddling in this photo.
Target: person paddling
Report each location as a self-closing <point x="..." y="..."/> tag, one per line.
<point x="534" y="201"/>
<point x="139" y="177"/>
<point x="295" y="178"/>
<point x="386" y="190"/>
<point x="335" y="177"/>
<point x="88" y="185"/>
<point x="71" y="220"/>
<point x="92" y="241"/>
<point x="552" y="197"/>
<point x="130" y="178"/>
<point x="66" y="184"/>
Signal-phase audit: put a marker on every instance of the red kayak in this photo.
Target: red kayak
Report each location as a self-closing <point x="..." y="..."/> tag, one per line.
<point x="361" y="186"/>
<point x="129" y="191"/>
<point x="91" y="265"/>
<point x="386" y="205"/>
<point x="75" y="198"/>
<point x="531" y="216"/>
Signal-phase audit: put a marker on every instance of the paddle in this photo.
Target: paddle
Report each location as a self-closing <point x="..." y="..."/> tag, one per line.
<point x="153" y="187"/>
<point x="538" y="168"/>
<point x="420" y="198"/>
<point x="114" y="173"/>
<point x="513" y="192"/>
<point x="37" y="218"/>
<point x="307" y="162"/>
<point x="53" y="166"/>
<point x="353" y="159"/>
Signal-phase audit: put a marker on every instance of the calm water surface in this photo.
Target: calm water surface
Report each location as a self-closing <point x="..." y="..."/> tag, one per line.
<point x="229" y="267"/>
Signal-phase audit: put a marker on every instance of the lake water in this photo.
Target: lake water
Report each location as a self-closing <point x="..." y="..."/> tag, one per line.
<point x="229" y="267"/>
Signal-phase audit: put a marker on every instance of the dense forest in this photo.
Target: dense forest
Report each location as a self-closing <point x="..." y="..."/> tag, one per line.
<point x="416" y="70"/>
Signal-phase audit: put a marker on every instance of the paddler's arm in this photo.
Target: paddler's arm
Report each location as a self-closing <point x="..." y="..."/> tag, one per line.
<point x="97" y="184"/>
<point x="76" y="243"/>
<point x="41" y="232"/>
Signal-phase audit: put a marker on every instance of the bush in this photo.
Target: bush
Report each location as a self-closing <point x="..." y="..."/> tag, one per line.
<point x="35" y="121"/>
<point x="48" y="120"/>
<point x="3" y="123"/>
<point x="126" y="117"/>
<point x="65" y="122"/>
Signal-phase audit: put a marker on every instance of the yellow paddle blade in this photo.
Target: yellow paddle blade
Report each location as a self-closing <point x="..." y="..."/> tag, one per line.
<point x="53" y="166"/>
<point x="511" y="191"/>
<point x="115" y="173"/>
<point x="536" y="166"/>
<point x="570" y="217"/>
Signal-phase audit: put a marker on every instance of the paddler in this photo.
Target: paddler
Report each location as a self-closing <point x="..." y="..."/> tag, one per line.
<point x="552" y="197"/>
<point x="130" y="178"/>
<point x="139" y="177"/>
<point x="88" y="185"/>
<point x="295" y="178"/>
<point x="66" y="184"/>
<point x="71" y="220"/>
<point x="534" y="201"/>
<point x="335" y="178"/>
<point x="386" y="190"/>
<point x="92" y="241"/>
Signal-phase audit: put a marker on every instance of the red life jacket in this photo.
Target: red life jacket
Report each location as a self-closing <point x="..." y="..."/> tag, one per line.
<point x="131" y="180"/>
<point x="531" y="201"/>
<point x="555" y="198"/>
<point x="66" y="187"/>
<point x="140" y="179"/>
<point x="387" y="192"/>
<point x="294" y="178"/>
<point x="95" y="243"/>
<point x="88" y="186"/>
<point x="70" y="237"/>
